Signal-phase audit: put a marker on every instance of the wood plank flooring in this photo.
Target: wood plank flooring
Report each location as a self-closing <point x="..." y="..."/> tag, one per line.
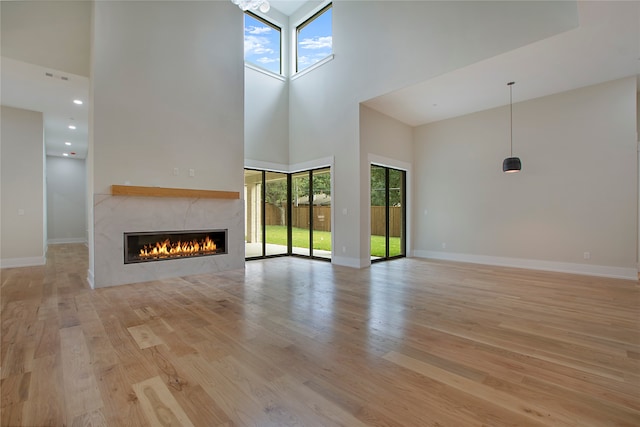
<point x="293" y="342"/>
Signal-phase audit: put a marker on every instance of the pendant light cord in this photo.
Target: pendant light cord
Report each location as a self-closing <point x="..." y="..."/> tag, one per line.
<point x="510" y="84"/>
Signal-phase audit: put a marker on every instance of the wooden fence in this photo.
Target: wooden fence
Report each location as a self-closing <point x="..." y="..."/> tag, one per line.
<point x="322" y="218"/>
<point x="377" y="221"/>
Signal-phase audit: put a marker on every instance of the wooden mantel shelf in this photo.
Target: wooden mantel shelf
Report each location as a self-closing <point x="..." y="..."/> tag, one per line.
<point x="132" y="190"/>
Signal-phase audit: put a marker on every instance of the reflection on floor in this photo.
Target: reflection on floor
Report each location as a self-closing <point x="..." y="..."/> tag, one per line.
<point x="252" y="250"/>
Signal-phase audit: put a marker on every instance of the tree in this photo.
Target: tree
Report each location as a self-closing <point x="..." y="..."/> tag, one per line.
<point x="321" y="185"/>
<point x="378" y="186"/>
<point x="276" y="195"/>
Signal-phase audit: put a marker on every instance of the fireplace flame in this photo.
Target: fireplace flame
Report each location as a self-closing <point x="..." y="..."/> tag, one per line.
<point x="166" y="248"/>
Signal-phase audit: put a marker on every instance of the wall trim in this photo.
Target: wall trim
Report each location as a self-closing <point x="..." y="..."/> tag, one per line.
<point x="348" y="262"/>
<point x="265" y="71"/>
<point x="23" y="262"/>
<point x="64" y="240"/>
<point x="268" y="166"/>
<point x="313" y="164"/>
<point x="90" y="279"/>
<point x="292" y="168"/>
<point x="534" y="264"/>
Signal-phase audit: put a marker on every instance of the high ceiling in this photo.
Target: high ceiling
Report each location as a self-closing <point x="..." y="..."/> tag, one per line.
<point x="287" y="7"/>
<point x="605" y="46"/>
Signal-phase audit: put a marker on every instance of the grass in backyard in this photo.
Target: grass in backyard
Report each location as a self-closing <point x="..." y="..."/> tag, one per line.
<point x="277" y="234"/>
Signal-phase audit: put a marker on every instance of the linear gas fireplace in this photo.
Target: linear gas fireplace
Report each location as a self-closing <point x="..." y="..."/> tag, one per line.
<point x="165" y="245"/>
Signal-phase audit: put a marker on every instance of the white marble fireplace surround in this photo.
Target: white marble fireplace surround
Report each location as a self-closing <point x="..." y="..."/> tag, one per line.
<point x="115" y="215"/>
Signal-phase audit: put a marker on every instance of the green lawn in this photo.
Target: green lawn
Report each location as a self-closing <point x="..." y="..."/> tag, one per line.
<point x="277" y="234"/>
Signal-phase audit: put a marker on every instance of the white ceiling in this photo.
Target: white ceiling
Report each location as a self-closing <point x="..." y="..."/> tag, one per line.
<point x="605" y="46"/>
<point x="27" y="86"/>
<point x="288" y="7"/>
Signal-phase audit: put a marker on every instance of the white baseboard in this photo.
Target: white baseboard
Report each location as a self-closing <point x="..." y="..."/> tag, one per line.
<point x="23" y="262"/>
<point x="533" y="264"/>
<point x="67" y="240"/>
<point x="90" y="279"/>
<point x="349" y="262"/>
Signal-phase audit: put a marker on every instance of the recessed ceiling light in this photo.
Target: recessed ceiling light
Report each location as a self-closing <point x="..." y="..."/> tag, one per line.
<point x="77" y="102"/>
<point x="65" y="154"/>
<point x="67" y="143"/>
<point x="72" y="127"/>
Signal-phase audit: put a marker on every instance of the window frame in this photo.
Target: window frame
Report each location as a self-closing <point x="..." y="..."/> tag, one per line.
<point x="301" y="26"/>
<point x="280" y="32"/>
<point x="309" y="174"/>
<point x="403" y="202"/>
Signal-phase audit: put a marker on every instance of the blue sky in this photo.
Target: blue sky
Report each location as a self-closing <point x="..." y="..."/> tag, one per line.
<point x="262" y="43"/>
<point x="315" y="41"/>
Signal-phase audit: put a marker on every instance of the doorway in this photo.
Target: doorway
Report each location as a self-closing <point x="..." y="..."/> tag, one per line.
<point x="388" y="213"/>
<point x="288" y="214"/>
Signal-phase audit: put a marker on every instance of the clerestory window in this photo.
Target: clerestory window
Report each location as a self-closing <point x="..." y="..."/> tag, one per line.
<point x="314" y="39"/>
<point x="262" y="43"/>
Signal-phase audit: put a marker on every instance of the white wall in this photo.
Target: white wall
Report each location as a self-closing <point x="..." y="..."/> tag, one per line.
<point x="22" y="191"/>
<point x="383" y="141"/>
<point x="324" y="103"/>
<point x="66" y="200"/>
<point x="576" y="193"/>
<point x="266" y="118"/>
<point x="266" y="108"/>
<point x="53" y="34"/>
<point x="168" y="93"/>
<point x="167" y="88"/>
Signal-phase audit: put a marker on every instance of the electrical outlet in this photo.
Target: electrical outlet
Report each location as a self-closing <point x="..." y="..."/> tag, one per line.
<point x="444" y="245"/>
<point x="176" y="171"/>
<point x="192" y="172"/>
<point x="587" y="255"/>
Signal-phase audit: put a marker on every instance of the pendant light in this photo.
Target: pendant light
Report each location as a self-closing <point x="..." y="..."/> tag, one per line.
<point x="511" y="164"/>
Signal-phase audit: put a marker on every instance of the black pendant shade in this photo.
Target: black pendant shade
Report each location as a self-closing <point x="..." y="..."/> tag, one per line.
<point x="511" y="164"/>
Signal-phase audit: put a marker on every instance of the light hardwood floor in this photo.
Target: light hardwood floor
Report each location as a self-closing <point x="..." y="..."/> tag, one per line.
<point x="296" y="342"/>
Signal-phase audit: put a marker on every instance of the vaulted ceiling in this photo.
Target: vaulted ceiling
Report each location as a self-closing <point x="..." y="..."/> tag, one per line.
<point x="604" y="46"/>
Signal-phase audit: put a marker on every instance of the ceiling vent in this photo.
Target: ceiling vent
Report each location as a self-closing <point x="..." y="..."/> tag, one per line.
<point x="65" y="78"/>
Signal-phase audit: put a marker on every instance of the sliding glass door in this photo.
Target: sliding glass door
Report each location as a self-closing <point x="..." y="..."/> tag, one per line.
<point x="288" y="214"/>
<point x="276" y="213"/>
<point x="253" y="206"/>
<point x="321" y="213"/>
<point x="300" y="214"/>
<point x="388" y="213"/>
<point x="311" y="213"/>
<point x="266" y="213"/>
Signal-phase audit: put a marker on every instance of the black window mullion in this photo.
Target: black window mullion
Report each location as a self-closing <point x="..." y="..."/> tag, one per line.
<point x="263" y="214"/>
<point x="311" y="213"/>
<point x="289" y="216"/>
<point x="403" y="198"/>
<point x="387" y="229"/>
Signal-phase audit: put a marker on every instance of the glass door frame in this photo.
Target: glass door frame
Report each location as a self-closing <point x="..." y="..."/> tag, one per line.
<point x="289" y="213"/>
<point x="310" y="174"/>
<point x="387" y="210"/>
<point x="263" y="214"/>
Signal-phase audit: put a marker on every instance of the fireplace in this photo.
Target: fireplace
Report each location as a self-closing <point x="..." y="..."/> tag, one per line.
<point x="167" y="245"/>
